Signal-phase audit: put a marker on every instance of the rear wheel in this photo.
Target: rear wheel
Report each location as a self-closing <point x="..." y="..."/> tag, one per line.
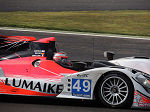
<point x="116" y="90"/>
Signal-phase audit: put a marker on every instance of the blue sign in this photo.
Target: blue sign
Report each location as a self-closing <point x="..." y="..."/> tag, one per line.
<point x="81" y="87"/>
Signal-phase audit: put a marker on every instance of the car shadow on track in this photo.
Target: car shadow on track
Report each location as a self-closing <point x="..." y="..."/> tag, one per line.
<point x="55" y="102"/>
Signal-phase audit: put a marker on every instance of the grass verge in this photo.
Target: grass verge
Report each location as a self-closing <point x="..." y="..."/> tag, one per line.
<point x="129" y="22"/>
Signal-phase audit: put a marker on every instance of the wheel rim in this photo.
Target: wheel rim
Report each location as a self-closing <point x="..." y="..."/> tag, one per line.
<point x="114" y="90"/>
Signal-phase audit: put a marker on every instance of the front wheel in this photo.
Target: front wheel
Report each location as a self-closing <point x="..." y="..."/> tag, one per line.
<point x="116" y="90"/>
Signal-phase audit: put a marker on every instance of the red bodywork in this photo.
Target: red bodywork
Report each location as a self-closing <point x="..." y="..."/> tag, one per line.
<point x="46" y="40"/>
<point x="23" y="68"/>
<point x="11" y="39"/>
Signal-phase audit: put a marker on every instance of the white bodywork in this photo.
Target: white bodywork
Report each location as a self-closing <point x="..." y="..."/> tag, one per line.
<point x="142" y="97"/>
<point x="95" y="74"/>
<point x="141" y="64"/>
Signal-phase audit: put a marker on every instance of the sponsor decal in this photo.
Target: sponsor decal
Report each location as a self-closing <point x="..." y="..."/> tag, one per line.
<point x="39" y="53"/>
<point x="82" y="75"/>
<point x="35" y="86"/>
<point x="81" y="88"/>
<point x="65" y="74"/>
<point x="140" y="100"/>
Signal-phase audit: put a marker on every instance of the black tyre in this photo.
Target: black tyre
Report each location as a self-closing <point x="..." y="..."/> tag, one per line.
<point x="116" y="90"/>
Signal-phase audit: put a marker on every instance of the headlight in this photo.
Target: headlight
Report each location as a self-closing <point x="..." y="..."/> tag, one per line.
<point x="147" y="83"/>
<point x="143" y="79"/>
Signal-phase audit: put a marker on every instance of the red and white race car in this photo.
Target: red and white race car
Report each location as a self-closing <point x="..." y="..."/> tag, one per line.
<point x="27" y="67"/>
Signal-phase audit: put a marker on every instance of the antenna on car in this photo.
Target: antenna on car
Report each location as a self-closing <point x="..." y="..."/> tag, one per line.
<point x="93" y="48"/>
<point x="57" y="47"/>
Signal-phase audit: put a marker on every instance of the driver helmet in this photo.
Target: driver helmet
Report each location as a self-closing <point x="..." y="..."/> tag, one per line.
<point x="61" y="57"/>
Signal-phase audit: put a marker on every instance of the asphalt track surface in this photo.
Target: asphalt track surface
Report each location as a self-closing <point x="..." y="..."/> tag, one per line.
<point x="73" y="5"/>
<point x="78" y="48"/>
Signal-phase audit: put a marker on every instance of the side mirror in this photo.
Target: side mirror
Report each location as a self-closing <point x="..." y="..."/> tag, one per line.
<point x="109" y="55"/>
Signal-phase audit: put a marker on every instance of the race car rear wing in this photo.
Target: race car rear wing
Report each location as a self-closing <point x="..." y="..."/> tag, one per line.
<point x="11" y="44"/>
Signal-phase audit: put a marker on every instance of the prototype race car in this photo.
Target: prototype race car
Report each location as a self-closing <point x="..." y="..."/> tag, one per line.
<point x="37" y="74"/>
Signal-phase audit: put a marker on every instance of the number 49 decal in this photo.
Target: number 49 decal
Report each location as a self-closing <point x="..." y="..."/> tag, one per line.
<point x="81" y="87"/>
